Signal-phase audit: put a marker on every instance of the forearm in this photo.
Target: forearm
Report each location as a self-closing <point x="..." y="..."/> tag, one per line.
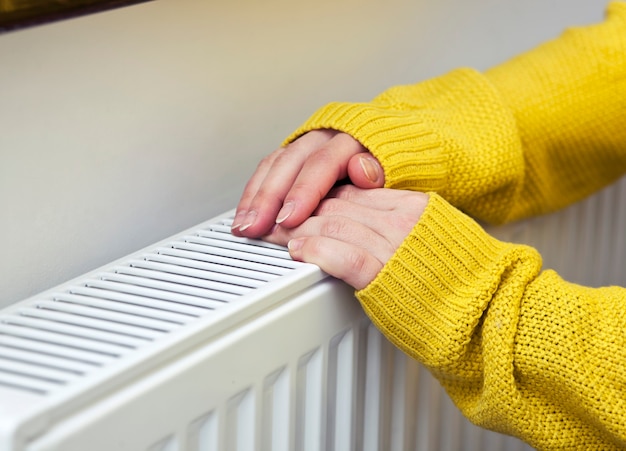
<point x="519" y="350"/>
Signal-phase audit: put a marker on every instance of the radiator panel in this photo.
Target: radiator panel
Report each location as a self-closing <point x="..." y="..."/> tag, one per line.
<point x="206" y="341"/>
<point x="303" y="397"/>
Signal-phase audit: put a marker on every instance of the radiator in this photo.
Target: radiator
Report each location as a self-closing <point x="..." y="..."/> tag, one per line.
<point x="207" y="342"/>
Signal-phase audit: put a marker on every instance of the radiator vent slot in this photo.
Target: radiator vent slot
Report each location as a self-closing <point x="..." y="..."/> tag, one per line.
<point x="50" y="341"/>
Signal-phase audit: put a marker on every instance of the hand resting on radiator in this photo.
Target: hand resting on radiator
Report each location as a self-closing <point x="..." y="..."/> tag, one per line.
<point x="353" y="232"/>
<point x="288" y="184"/>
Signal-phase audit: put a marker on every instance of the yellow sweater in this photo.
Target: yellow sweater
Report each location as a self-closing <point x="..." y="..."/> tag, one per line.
<point x="518" y="349"/>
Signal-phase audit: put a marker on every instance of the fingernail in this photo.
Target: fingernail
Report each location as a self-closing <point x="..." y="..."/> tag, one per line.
<point x="295" y="244"/>
<point x="238" y="219"/>
<point x="285" y="212"/>
<point x="248" y="220"/>
<point x="370" y="168"/>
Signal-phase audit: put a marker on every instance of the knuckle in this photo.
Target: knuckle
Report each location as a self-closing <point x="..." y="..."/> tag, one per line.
<point x="357" y="261"/>
<point x="268" y="160"/>
<point x="327" y="158"/>
<point x="299" y="144"/>
<point x="283" y="158"/>
<point x="327" y="207"/>
<point x="346" y="192"/>
<point x="333" y="227"/>
<point x="265" y="197"/>
<point x="314" y="251"/>
<point x="350" y="143"/>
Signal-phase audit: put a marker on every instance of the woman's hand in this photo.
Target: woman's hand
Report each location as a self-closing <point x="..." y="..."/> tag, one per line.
<point x="354" y="232"/>
<point x="288" y="184"/>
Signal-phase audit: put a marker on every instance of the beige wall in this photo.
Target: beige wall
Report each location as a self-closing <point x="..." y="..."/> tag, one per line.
<point x="122" y="128"/>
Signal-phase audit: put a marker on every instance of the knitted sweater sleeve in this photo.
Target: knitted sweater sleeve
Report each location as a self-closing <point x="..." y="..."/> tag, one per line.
<point x="530" y="136"/>
<point x="519" y="350"/>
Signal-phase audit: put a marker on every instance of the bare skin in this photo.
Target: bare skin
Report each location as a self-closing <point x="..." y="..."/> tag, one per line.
<point x="289" y="183"/>
<point x="353" y="232"/>
<point x="349" y="231"/>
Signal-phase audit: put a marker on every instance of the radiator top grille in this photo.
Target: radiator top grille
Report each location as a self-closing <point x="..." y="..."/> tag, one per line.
<point x="51" y="341"/>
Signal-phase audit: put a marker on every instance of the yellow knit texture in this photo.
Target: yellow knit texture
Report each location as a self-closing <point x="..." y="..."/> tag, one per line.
<point x="518" y="349"/>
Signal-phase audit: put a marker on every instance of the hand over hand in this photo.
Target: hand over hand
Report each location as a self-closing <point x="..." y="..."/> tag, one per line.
<point x="289" y="183"/>
<point x="354" y="232"/>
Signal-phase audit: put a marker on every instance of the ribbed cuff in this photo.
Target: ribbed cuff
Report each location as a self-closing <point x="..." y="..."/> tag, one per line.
<point x="432" y="293"/>
<point x="398" y="139"/>
<point x="451" y="135"/>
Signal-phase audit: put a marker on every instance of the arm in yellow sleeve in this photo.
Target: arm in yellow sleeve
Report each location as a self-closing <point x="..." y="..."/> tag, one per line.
<point x="527" y="137"/>
<point x="520" y="351"/>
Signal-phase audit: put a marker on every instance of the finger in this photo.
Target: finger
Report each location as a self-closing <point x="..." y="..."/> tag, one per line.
<point x="317" y="176"/>
<point x="393" y="224"/>
<point x="341" y="229"/>
<point x="347" y="262"/>
<point x="264" y="194"/>
<point x="365" y="171"/>
<point x="383" y="199"/>
<point x="252" y="187"/>
<point x="389" y="226"/>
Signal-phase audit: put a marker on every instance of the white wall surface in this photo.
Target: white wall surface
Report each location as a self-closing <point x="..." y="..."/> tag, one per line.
<point x="124" y="127"/>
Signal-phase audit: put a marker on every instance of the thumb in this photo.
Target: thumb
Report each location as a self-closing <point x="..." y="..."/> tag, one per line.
<point x="365" y="171"/>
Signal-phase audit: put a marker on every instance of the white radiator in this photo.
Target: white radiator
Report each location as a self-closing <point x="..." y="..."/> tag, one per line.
<point x="210" y="342"/>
